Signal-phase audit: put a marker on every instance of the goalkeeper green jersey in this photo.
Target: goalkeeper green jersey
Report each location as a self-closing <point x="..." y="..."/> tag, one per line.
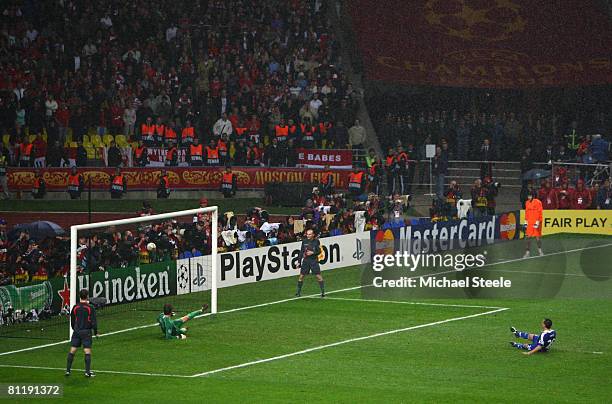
<point x="169" y="327"/>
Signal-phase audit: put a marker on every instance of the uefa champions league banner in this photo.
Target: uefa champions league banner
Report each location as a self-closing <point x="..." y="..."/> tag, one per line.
<point x="445" y="236"/>
<point x="266" y="263"/>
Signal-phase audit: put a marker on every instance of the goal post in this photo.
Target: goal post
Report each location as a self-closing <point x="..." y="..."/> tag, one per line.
<point x="74" y="245"/>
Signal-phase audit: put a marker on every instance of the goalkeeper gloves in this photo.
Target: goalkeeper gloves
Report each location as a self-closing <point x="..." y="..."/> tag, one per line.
<point x="536" y="225"/>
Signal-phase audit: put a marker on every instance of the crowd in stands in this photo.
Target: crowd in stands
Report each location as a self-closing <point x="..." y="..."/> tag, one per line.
<point x="245" y="78"/>
<point x="508" y="135"/>
<point x="23" y="259"/>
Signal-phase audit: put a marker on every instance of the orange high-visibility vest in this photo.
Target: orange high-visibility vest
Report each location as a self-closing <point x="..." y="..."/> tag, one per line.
<point x="169" y="133"/>
<point x="389" y="161"/>
<point x="355" y="181"/>
<point x="281" y="132"/>
<point x="170" y="154"/>
<point x="166" y="181"/>
<point x="24" y="151"/>
<point x="227" y="181"/>
<point x="188" y="133"/>
<point x="212" y="155"/>
<point x="160" y="129"/>
<point x="37" y="183"/>
<point x="117" y="183"/>
<point x="196" y="152"/>
<point x="222" y="146"/>
<point x="74" y="182"/>
<point x="307" y="132"/>
<point x="240" y="130"/>
<point x="147" y="132"/>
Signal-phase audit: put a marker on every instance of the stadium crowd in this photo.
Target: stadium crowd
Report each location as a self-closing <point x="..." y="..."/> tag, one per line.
<point x="23" y="258"/>
<point x="243" y="78"/>
<point x="508" y="135"/>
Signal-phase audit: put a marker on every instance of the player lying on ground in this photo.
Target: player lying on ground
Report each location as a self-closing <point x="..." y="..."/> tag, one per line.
<point x="539" y="342"/>
<point x="173" y="329"/>
<point x="309" y="253"/>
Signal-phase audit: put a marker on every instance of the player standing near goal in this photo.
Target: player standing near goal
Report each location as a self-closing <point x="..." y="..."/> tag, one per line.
<point x="173" y="329"/>
<point x="533" y="222"/>
<point x="309" y="253"/>
<point x="84" y="324"/>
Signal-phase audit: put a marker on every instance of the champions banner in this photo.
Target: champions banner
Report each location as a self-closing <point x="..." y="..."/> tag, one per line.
<point x="319" y="158"/>
<point x="575" y="221"/>
<point x="181" y="178"/>
<point x="484" y="43"/>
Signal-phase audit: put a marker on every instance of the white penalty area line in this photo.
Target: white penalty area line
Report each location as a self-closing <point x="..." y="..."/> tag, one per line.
<point x="344" y="342"/>
<point x="95" y="371"/>
<point x="275" y="358"/>
<point x="199" y="316"/>
<point x="415" y="303"/>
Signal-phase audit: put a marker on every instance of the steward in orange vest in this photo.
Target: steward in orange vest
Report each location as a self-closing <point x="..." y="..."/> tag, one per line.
<point x="392" y="169"/>
<point x="118" y="185"/>
<point x="357" y="181"/>
<point x="141" y="155"/>
<point x="172" y="156"/>
<point x="228" y="183"/>
<point x="159" y="131"/>
<point x="222" y="146"/>
<point x="147" y="132"/>
<point x="212" y="154"/>
<point x="163" y="190"/>
<point x="170" y="135"/>
<point x="281" y="130"/>
<point x="327" y="182"/>
<point x="188" y="134"/>
<point x="374" y="175"/>
<point x="40" y="187"/>
<point x="75" y="184"/>
<point x="308" y="135"/>
<point x="195" y="154"/>
<point x="25" y="154"/>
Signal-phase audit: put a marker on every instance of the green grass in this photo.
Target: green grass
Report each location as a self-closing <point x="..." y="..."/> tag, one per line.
<point x="239" y="205"/>
<point x="468" y="360"/>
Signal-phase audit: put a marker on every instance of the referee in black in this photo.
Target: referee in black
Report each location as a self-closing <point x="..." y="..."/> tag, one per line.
<point x="309" y="253"/>
<point x="84" y="326"/>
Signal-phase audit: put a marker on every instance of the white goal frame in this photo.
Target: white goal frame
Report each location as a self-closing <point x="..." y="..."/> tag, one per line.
<point x="190" y="212"/>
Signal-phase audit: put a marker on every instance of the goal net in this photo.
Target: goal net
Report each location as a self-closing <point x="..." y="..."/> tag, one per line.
<point x="131" y="268"/>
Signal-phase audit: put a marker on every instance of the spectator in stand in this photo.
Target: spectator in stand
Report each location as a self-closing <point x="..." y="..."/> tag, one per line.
<point x="581" y="197"/>
<point x="600" y="149"/>
<point x="129" y="121"/>
<point x="565" y="195"/>
<point x="479" y="198"/>
<point x="56" y="155"/>
<point x="39" y="151"/>
<point x="4" y="159"/>
<point x="604" y="197"/>
<point x="357" y="135"/>
<point x="486" y="155"/>
<point x="114" y="156"/>
<point x="163" y="190"/>
<point x="274" y="155"/>
<point x="439" y="169"/>
<point x="223" y="126"/>
<point x="81" y="155"/>
<point x="548" y="195"/>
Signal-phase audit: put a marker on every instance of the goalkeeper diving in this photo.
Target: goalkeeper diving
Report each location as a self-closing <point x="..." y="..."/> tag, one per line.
<point x="173" y="329"/>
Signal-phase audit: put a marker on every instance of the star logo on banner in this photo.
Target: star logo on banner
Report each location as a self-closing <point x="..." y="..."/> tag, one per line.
<point x="488" y="20"/>
<point x="64" y="294"/>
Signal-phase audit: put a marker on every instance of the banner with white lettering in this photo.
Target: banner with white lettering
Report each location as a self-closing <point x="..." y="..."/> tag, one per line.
<point x="319" y="158"/>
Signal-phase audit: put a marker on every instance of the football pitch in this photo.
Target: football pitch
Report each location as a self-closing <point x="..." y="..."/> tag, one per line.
<point x="264" y="345"/>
